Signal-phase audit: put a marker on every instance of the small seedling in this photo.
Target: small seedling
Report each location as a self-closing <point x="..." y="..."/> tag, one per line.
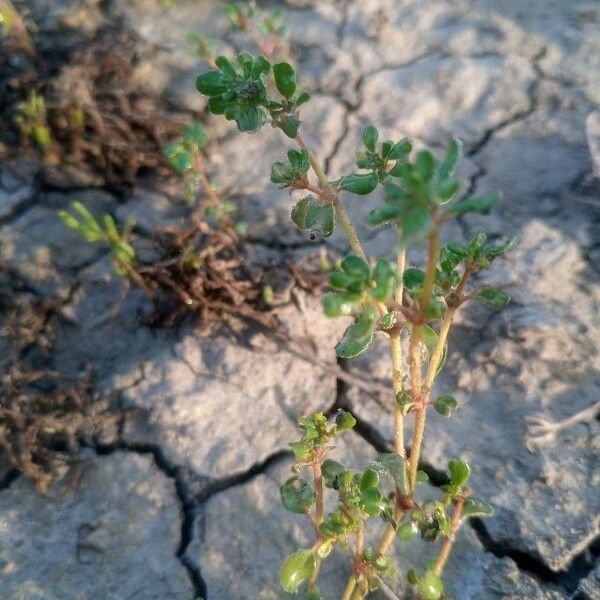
<point x="31" y="119"/>
<point x="104" y="231"/>
<point x="421" y="193"/>
<point x="185" y="156"/>
<point x="265" y="28"/>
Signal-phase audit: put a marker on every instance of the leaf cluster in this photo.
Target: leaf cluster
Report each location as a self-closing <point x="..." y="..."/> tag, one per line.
<point x="239" y="91"/>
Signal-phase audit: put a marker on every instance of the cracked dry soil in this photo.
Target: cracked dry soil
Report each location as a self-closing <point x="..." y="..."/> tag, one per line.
<point x="179" y="460"/>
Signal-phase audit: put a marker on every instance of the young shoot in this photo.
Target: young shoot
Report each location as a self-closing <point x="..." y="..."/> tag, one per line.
<point x="31" y="119"/>
<point x="105" y="231"/>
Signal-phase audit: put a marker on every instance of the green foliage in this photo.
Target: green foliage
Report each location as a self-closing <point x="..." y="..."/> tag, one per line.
<point x="181" y="152"/>
<point x="106" y="231"/>
<point x="421" y="192"/>
<point x="238" y="90"/>
<point x="31" y="119"/>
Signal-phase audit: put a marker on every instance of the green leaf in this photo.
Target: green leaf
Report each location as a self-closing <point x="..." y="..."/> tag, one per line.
<point x="300" y="160"/>
<point x="285" y="79"/>
<point x="407" y="531"/>
<point x="459" y="473"/>
<point x="503" y="248"/>
<point x="296" y="568"/>
<point x="404" y="401"/>
<point x="359" y="184"/>
<point x="445" y="405"/>
<point x="195" y="134"/>
<point x="302" y="98"/>
<point x="492" y="297"/>
<point x="382" y="215"/>
<point x="356" y="266"/>
<point x="315" y="594"/>
<point x="211" y="84"/>
<point x="422" y="477"/>
<point x="281" y="173"/>
<point x="412" y="577"/>
<point x="401" y="149"/>
<point x="479" y="204"/>
<point x="425" y="165"/>
<point x="344" y="420"/>
<point x="336" y="305"/>
<point x="447" y="188"/>
<point x="415" y="222"/>
<point x="226" y="67"/>
<point x="451" y="159"/>
<point x="251" y="119"/>
<point x="370" y="135"/>
<point x="476" y="507"/>
<point x="261" y="66"/>
<point x="318" y="217"/>
<point x="290" y="125"/>
<point x="182" y="161"/>
<point x="431" y="586"/>
<point x="395" y="466"/>
<point x="430" y="338"/>
<point x="385" y="280"/>
<point x="369" y="480"/>
<point x="301" y="451"/>
<point x="414" y="279"/>
<point x="331" y="470"/>
<point x="297" y="495"/>
<point x="358" y="337"/>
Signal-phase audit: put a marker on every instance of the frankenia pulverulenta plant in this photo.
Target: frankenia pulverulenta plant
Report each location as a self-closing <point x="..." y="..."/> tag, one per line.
<point x="393" y="299"/>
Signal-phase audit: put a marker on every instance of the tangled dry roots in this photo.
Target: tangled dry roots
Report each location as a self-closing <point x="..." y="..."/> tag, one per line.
<point x="43" y="414"/>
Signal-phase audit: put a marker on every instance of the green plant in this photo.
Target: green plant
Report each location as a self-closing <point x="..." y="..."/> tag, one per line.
<point x="265" y="28"/>
<point x="421" y="194"/>
<point x="105" y="231"/>
<point x="185" y="156"/>
<point x="31" y="119"/>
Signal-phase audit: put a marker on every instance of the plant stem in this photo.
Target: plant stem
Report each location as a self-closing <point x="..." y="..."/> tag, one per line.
<point x="349" y="588"/>
<point x="312" y="582"/>
<point x="396" y="348"/>
<point x="318" y="477"/>
<point x="340" y="210"/>
<point x="401" y="265"/>
<point x="432" y="256"/>
<point x="438" y="351"/>
<point x="414" y="364"/>
<point x="415" y="361"/>
<point x="318" y="519"/>
<point x="212" y="196"/>
<point x="447" y="545"/>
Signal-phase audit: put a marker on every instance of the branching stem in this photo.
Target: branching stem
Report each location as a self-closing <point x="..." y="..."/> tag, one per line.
<point x="449" y="541"/>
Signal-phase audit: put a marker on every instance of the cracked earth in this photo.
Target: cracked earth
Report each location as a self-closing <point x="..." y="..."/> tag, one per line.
<point x="178" y="498"/>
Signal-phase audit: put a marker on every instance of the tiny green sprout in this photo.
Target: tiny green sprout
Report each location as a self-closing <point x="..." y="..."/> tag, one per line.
<point x="203" y="45"/>
<point x="105" y="231"/>
<point x="31" y="119"/>
<point x="410" y="304"/>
